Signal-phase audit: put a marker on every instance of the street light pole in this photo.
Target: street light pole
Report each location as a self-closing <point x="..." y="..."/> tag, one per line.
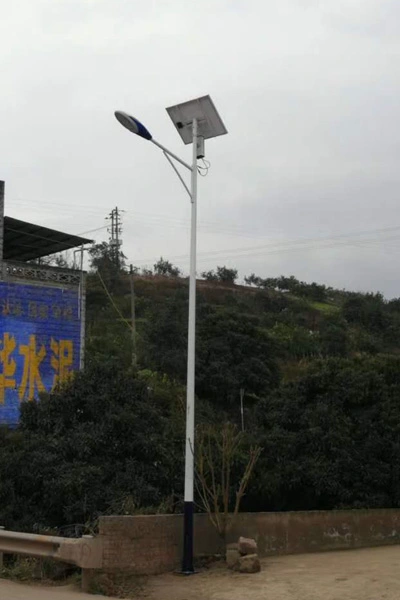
<point x="189" y="118"/>
<point x="133" y="319"/>
<point x="187" y="561"/>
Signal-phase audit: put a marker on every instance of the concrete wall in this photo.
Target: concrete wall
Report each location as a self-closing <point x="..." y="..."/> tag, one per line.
<point x="152" y="544"/>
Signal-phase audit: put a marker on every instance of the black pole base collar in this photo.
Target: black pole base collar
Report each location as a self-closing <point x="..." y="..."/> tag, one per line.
<point x="187" y="560"/>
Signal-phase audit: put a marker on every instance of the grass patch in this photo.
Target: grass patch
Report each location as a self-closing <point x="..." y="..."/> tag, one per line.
<point x="43" y="570"/>
<point x="325" y="308"/>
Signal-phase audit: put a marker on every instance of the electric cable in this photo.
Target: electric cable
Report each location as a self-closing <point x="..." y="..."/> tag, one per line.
<point x="112" y="301"/>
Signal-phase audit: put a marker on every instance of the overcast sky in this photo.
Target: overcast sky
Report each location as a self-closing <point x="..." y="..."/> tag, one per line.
<point x="305" y="183"/>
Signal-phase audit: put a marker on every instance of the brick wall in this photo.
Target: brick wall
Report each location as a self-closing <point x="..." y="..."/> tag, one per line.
<point x="152" y="544"/>
<point x="143" y="544"/>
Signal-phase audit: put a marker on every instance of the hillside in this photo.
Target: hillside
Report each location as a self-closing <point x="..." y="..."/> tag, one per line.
<point x="256" y="335"/>
<point x="321" y="373"/>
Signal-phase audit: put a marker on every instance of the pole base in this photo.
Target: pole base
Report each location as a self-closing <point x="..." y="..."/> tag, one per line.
<point x="185" y="573"/>
<point x="187" y="559"/>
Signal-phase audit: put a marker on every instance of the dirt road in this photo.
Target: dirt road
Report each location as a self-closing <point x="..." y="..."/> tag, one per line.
<point x="370" y="574"/>
<point x="16" y="591"/>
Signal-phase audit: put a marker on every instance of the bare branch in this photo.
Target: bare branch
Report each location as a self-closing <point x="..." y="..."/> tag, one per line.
<point x="217" y="452"/>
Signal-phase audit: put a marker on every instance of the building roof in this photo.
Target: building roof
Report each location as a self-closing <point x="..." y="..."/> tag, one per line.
<point x="25" y="241"/>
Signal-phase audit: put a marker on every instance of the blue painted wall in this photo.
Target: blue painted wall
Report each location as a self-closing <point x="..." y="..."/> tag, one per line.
<point x="39" y="342"/>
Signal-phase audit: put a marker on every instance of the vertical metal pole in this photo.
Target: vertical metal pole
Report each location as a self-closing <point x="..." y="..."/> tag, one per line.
<point x="3" y="267"/>
<point x="1" y="223"/>
<point x="82" y="313"/>
<point x="80" y="283"/>
<point x="187" y="562"/>
<point x="241" y="406"/>
<point x="133" y="320"/>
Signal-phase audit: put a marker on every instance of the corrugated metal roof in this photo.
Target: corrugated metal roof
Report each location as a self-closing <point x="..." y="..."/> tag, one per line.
<point x="25" y="241"/>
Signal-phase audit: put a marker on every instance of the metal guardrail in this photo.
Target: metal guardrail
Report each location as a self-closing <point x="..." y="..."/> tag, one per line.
<point x="85" y="552"/>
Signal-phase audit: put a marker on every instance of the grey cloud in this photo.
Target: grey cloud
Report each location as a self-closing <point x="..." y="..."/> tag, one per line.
<point x="308" y="90"/>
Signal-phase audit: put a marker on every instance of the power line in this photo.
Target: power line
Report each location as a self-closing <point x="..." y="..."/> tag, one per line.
<point x="168" y="221"/>
<point x="292" y="245"/>
<point x="155" y="219"/>
<point x="270" y="248"/>
<point x="93" y="230"/>
<point x="112" y="301"/>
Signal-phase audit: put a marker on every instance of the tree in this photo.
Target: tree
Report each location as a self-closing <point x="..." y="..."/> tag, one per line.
<point x="223" y="471"/>
<point x="270" y="283"/>
<point x="103" y="258"/>
<point x="226" y="275"/>
<point x="209" y="275"/>
<point x="287" y="284"/>
<point x="110" y="271"/>
<point x="330" y="438"/>
<point x="165" y="336"/>
<point x="368" y="310"/>
<point x="233" y="352"/>
<point x="253" y="280"/>
<point x="104" y="436"/>
<point x="333" y="335"/>
<point x="222" y="274"/>
<point x="166" y="269"/>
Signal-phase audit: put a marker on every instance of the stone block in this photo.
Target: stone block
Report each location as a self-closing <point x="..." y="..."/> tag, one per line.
<point x="232" y="556"/>
<point x="250" y="563"/>
<point x="247" y="546"/>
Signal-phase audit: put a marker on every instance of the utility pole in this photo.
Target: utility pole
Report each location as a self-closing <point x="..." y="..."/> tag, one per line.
<point x="112" y="229"/>
<point x="115" y="234"/>
<point x="133" y="320"/>
<point x="118" y="229"/>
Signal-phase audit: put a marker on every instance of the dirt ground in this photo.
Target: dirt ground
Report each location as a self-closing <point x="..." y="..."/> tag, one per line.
<point x="369" y="574"/>
<point x="16" y="591"/>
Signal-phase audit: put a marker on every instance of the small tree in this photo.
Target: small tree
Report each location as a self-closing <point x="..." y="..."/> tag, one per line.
<point x="166" y="268"/>
<point x="209" y="275"/>
<point x="223" y="469"/>
<point x="222" y="274"/>
<point x="253" y="279"/>
<point x="106" y="259"/>
<point x="227" y="275"/>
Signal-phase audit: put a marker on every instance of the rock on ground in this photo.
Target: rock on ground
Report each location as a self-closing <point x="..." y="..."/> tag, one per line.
<point x="232" y="555"/>
<point x="249" y="564"/>
<point x="247" y="546"/>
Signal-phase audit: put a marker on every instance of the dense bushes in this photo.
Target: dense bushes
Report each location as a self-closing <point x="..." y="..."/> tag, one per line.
<point x="111" y="442"/>
<point x="103" y="438"/>
<point x="331" y="438"/>
<point x="321" y="375"/>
